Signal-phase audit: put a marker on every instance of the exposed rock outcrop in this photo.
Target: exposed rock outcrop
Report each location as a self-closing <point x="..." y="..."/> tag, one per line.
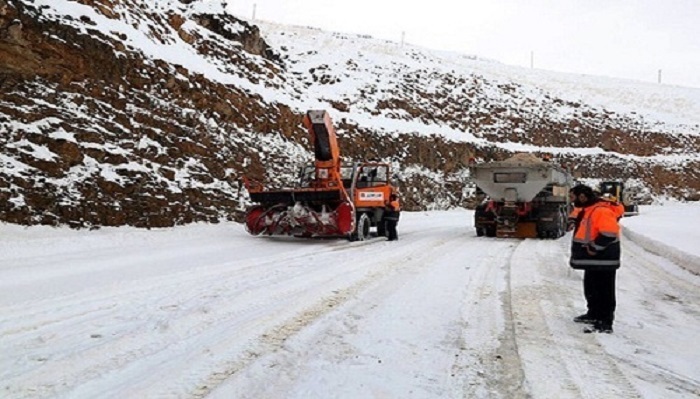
<point x="96" y="131"/>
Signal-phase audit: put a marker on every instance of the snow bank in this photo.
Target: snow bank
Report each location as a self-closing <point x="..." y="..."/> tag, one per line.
<point x="669" y="231"/>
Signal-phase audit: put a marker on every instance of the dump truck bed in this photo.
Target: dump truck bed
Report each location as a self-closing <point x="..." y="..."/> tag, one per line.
<point x="520" y="178"/>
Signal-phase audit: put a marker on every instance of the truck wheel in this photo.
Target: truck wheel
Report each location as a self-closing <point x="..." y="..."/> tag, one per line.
<point x="362" y="226"/>
<point x="479" y="232"/>
<point x="562" y="223"/>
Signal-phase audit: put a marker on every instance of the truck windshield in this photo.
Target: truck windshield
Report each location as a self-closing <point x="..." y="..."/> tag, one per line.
<point x="373" y="176"/>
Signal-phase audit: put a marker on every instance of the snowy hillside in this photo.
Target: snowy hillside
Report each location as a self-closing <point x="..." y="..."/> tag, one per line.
<point x="149" y="113"/>
<point x="209" y="311"/>
<point x="121" y="114"/>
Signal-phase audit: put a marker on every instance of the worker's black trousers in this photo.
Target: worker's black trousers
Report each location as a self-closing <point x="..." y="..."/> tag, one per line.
<point x="391" y="233"/>
<point x="599" y="290"/>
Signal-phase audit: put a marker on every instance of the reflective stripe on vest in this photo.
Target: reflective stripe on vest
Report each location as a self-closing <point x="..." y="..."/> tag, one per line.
<point x="594" y="262"/>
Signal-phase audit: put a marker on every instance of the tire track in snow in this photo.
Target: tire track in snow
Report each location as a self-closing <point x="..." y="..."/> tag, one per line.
<point x="680" y="385"/>
<point x="667" y="295"/>
<point x="22" y="316"/>
<point x="254" y="310"/>
<point x="530" y="296"/>
<point x="487" y="367"/>
<point x="128" y="346"/>
<point x="547" y="338"/>
<point x="333" y="341"/>
<point x="675" y="288"/>
<point x="512" y="373"/>
<point x="273" y="341"/>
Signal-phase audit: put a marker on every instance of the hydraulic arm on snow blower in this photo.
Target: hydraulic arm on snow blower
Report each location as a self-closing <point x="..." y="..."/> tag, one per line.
<point x="320" y="207"/>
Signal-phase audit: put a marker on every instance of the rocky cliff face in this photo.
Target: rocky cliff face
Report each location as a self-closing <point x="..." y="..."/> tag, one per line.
<point x="149" y="113"/>
<point x="94" y="133"/>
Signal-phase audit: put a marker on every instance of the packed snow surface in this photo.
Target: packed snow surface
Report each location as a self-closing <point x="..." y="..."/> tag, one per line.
<point x="209" y="311"/>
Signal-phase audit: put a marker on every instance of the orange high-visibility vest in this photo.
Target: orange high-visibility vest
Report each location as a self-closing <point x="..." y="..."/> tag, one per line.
<point x="394" y="205"/>
<point x="574" y="212"/>
<point x="599" y="231"/>
<point x="596" y="222"/>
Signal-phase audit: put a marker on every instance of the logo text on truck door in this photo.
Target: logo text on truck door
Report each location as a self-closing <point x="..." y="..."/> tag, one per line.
<point x="371" y="196"/>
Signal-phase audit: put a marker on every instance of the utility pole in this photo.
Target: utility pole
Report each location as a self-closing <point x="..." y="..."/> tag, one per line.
<point x="403" y="38"/>
<point x="532" y="59"/>
<point x="659" y="76"/>
<point x="255" y="5"/>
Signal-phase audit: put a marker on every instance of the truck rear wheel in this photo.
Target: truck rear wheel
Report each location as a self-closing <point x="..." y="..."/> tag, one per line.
<point x="362" y="226"/>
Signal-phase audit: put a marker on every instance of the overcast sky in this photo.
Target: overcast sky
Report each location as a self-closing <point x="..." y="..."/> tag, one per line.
<point x="631" y="39"/>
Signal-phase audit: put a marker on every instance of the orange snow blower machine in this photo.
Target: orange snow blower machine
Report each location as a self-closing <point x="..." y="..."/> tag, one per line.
<point x="330" y="199"/>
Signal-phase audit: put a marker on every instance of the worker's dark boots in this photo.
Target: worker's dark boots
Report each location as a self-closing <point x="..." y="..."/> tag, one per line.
<point x="604" y="327"/>
<point x="585" y="318"/>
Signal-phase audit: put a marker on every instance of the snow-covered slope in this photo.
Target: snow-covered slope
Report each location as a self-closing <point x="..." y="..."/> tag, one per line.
<point x="150" y="112"/>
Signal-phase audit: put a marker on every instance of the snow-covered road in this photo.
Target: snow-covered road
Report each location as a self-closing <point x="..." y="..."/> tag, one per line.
<point x="208" y="311"/>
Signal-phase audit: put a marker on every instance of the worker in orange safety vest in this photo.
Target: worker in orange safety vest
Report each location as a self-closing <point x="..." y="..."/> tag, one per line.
<point x="595" y="249"/>
<point x="392" y="211"/>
